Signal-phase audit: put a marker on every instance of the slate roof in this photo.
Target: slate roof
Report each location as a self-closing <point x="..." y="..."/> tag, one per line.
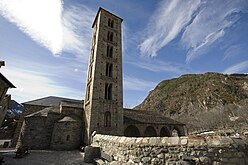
<point x="132" y="116"/>
<point x="6" y="81"/>
<point x="51" y="101"/>
<point x="44" y="112"/>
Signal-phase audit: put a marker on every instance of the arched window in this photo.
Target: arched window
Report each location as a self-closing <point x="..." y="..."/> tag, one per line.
<point x="174" y="133"/>
<point x="110" y="23"/>
<point x="150" y="132"/>
<point x="110" y="36"/>
<point x="107" y="119"/>
<point x="109" y="69"/>
<point x="110" y="51"/>
<point x="132" y="131"/>
<point x="108" y="91"/>
<point x="164" y="132"/>
<point x="177" y="131"/>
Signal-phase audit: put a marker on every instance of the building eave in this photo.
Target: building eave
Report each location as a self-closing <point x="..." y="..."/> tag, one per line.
<point x="105" y="11"/>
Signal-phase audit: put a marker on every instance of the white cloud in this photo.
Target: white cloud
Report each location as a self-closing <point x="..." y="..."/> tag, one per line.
<point x="50" y="24"/>
<point x="159" y="66"/>
<point x="166" y="23"/>
<point x="209" y="25"/>
<point x="237" y="68"/>
<point x="38" y="19"/>
<point x="234" y="50"/>
<point x="77" y="21"/>
<point x="31" y="85"/>
<point x="202" y="23"/>
<point x="132" y="83"/>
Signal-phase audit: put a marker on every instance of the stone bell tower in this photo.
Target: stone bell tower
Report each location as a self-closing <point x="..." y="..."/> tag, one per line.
<point x="103" y="102"/>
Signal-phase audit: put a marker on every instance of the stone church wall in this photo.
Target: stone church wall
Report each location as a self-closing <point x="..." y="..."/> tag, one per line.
<point x="35" y="133"/>
<point x="66" y="135"/>
<point x="174" y="150"/>
<point x="28" y="109"/>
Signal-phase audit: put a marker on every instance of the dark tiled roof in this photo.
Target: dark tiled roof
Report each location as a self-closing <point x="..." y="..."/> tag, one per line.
<point x="51" y="101"/>
<point x="44" y="112"/>
<point x="105" y="11"/>
<point x="6" y="81"/>
<point x="132" y="116"/>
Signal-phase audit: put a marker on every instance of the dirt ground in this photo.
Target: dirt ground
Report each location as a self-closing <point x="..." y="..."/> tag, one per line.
<point x="41" y="157"/>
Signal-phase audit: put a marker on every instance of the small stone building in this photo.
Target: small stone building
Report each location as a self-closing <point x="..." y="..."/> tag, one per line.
<point x="57" y="124"/>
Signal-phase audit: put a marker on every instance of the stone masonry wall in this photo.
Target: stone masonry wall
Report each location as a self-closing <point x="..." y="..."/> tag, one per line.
<point x="174" y="150"/>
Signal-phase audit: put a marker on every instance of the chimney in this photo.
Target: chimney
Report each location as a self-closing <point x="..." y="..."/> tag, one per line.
<point x="2" y="63"/>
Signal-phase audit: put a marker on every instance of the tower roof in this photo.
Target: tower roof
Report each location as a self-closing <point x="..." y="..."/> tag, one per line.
<point x="51" y="101"/>
<point x="101" y="9"/>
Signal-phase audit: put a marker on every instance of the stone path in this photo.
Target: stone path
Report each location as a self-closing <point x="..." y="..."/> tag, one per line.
<point x="44" y="157"/>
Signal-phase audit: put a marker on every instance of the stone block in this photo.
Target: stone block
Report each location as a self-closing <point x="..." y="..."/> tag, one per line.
<point x="213" y="141"/>
<point x="183" y="141"/>
<point x="145" y="141"/>
<point x="139" y="140"/>
<point x="146" y="160"/>
<point x="205" y="160"/>
<point x="173" y="141"/>
<point x="91" y="153"/>
<point x="154" y="141"/>
<point x="164" y="140"/>
<point x="226" y="141"/>
<point x="196" y="141"/>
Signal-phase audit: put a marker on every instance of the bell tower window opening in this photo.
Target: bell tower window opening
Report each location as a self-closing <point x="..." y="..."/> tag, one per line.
<point x="111" y="23"/>
<point x="107" y="119"/>
<point x="109" y="69"/>
<point x="110" y="36"/>
<point x="109" y="51"/>
<point x="108" y="91"/>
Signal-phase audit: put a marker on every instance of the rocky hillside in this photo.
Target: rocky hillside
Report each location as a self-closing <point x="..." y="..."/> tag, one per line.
<point x="202" y="101"/>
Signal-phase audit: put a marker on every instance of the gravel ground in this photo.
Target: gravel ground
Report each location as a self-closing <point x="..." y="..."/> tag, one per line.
<point x="45" y="157"/>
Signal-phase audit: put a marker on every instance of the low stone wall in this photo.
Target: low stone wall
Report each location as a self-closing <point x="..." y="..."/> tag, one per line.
<point x="174" y="150"/>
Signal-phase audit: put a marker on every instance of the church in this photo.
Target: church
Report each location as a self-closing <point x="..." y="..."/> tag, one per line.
<point x="65" y="124"/>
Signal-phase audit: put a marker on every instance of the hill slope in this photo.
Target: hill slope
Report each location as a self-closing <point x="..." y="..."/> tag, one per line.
<point x="202" y="101"/>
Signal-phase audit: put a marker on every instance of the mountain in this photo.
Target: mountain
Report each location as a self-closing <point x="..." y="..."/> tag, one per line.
<point x="15" y="108"/>
<point x="202" y="101"/>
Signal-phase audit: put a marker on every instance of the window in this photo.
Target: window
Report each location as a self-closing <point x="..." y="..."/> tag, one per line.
<point x="109" y="69"/>
<point x="107" y="119"/>
<point x="110" y="23"/>
<point x="110" y="36"/>
<point x="67" y="137"/>
<point x="109" y="51"/>
<point x="108" y="91"/>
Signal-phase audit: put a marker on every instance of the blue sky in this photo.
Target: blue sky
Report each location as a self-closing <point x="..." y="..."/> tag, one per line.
<point x="45" y="44"/>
